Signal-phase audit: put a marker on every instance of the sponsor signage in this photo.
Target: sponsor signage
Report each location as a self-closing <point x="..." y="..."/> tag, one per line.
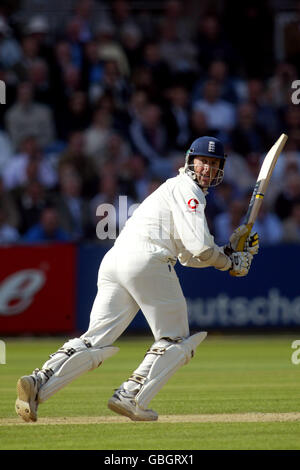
<point x="37" y="288"/>
<point x="51" y="289"/>
<point x="268" y="297"/>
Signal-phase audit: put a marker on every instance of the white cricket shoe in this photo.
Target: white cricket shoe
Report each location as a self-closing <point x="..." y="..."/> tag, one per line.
<point x="124" y="404"/>
<point x="27" y="401"/>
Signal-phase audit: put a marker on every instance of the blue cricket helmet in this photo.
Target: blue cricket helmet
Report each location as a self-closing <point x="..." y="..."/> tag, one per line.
<point x="207" y="147"/>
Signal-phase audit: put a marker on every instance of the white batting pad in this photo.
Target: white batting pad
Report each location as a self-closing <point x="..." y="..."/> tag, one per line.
<point x="67" y="366"/>
<point x="166" y="364"/>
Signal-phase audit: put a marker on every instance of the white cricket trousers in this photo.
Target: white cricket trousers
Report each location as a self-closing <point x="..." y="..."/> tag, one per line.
<point x="133" y="277"/>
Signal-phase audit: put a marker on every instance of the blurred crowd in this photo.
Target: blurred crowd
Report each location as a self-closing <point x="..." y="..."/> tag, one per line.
<point x="106" y="100"/>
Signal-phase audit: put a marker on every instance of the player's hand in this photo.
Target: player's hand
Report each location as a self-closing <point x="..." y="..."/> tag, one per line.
<point x="236" y="236"/>
<point x="241" y="262"/>
<point x="252" y="243"/>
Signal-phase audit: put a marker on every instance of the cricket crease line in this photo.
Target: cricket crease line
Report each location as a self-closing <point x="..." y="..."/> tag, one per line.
<point x="200" y="418"/>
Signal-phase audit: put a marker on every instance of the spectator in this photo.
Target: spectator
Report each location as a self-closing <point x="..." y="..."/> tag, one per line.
<point x="128" y="88"/>
<point x="120" y="117"/>
<point x="267" y="116"/>
<point x="253" y="160"/>
<point x="118" y="150"/>
<point x="177" y="117"/>
<point x="269" y="227"/>
<point x="71" y="80"/>
<point x="109" y="49"/>
<point x="226" y="222"/>
<point x="30" y="53"/>
<point x="121" y="14"/>
<point x="8" y="233"/>
<point x="212" y="44"/>
<point x="267" y="224"/>
<point x="291" y="225"/>
<point x="292" y="38"/>
<point x="199" y="126"/>
<point x="26" y="117"/>
<point x="138" y="100"/>
<point x="38" y="29"/>
<point x="48" y="228"/>
<point x="219" y="199"/>
<point x="75" y="117"/>
<point x="230" y="90"/>
<point x="248" y="136"/>
<point x="156" y="64"/>
<point x="143" y="79"/>
<point x="252" y="17"/>
<point x="292" y="122"/>
<point x="28" y="164"/>
<point x="179" y="54"/>
<point x="61" y="60"/>
<point x="72" y="208"/>
<point x="9" y="207"/>
<point x="73" y="31"/>
<point x="290" y="193"/>
<point x="97" y="136"/>
<point x="30" y="200"/>
<point x="178" y="13"/>
<point x="148" y="134"/>
<point x="92" y="71"/>
<point x="10" y="50"/>
<point x="238" y="171"/>
<point x="74" y="156"/>
<point x="149" y="138"/>
<point x="288" y="164"/>
<point x="279" y="84"/>
<point x="6" y="151"/>
<point x="131" y="40"/>
<point x="115" y="84"/>
<point x="83" y="17"/>
<point x="219" y="114"/>
<point x="140" y="176"/>
<point x="38" y="75"/>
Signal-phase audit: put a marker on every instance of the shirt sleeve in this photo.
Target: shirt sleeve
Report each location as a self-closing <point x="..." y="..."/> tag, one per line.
<point x="187" y="259"/>
<point x="188" y="205"/>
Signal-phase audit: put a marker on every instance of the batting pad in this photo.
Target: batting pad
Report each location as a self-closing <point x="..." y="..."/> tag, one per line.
<point x="165" y="365"/>
<point x="67" y="368"/>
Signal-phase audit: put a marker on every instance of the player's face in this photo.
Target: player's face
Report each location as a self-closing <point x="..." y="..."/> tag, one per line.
<point x="206" y="169"/>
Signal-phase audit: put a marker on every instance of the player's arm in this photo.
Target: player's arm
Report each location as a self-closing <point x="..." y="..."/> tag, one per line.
<point x="238" y="264"/>
<point x="191" y="225"/>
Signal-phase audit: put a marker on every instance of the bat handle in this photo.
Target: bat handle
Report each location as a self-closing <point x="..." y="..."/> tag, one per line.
<point x="242" y="242"/>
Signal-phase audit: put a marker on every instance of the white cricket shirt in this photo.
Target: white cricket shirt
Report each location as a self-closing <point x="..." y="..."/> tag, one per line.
<point x="173" y="219"/>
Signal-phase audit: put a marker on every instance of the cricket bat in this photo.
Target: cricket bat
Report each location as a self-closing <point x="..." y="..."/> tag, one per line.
<point x="261" y="186"/>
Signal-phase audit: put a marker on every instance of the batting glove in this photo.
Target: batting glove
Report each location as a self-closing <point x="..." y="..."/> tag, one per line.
<point x="252" y="243"/>
<point x="241" y="262"/>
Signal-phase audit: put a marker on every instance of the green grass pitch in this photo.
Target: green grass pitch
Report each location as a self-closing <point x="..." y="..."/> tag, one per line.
<point x="232" y="376"/>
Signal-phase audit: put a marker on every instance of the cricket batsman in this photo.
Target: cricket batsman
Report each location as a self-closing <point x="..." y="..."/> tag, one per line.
<point x="138" y="273"/>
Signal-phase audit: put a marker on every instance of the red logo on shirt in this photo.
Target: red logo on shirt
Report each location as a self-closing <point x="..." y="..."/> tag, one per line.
<point x="193" y="204"/>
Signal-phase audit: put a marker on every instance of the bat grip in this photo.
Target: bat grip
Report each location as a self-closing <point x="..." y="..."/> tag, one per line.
<point x="242" y="242"/>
